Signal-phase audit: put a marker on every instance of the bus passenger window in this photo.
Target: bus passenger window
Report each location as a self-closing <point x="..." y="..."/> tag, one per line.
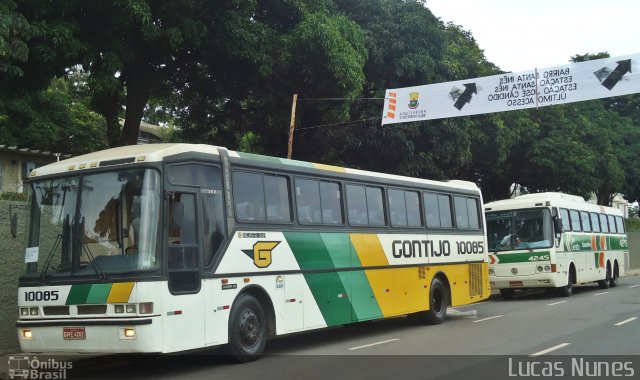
<point x="575" y="221"/>
<point x="612" y="223"/>
<point x="595" y="222"/>
<point x="462" y="214"/>
<point x="357" y="202"/>
<point x="603" y="222"/>
<point x="586" y="222"/>
<point x="566" y="221"/>
<point x="619" y="224"/>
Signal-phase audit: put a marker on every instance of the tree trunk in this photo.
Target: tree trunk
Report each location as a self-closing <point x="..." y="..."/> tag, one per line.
<point x="108" y="105"/>
<point x="604" y="199"/>
<point x="139" y="81"/>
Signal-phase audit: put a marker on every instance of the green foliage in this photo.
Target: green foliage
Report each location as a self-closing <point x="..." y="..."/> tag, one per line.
<point x="223" y="72"/>
<point x="632" y="224"/>
<point x="13" y="196"/>
<point x="14" y="32"/>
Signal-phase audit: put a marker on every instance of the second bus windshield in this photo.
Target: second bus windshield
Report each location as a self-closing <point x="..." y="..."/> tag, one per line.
<point x="521" y="229"/>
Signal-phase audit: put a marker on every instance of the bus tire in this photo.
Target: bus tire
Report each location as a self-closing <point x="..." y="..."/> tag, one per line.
<point x="438" y="302"/>
<point x="567" y="290"/>
<point x="614" y="279"/>
<point x="604" y="284"/>
<point x="247" y="329"/>
<point x="507" y="294"/>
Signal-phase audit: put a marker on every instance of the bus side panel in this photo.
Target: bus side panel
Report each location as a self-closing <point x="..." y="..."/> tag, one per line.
<point x="467" y="282"/>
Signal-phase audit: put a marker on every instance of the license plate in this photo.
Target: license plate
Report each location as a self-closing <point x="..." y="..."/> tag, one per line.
<point x="73" y="333"/>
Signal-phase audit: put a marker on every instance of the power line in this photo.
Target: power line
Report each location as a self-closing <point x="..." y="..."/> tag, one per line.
<point x="344" y="123"/>
<point x="341" y="98"/>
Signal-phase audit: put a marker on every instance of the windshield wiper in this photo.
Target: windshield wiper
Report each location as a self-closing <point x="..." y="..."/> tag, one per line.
<point x="85" y="248"/>
<point x="47" y="262"/>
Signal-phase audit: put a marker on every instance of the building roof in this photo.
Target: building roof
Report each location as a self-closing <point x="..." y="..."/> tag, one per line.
<point x="33" y="152"/>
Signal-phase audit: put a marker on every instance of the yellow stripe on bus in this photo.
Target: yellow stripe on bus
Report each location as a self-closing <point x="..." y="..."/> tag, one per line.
<point x="370" y="253"/>
<point x="120" y="292"/>
<point x="330" y="168"/>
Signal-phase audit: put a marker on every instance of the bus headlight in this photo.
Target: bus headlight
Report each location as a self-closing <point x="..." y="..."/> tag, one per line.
<point x="33" y="311"/>
<point x="514" y="270"/>
<point x="491" y="272"/>
<point x="547" y="268"/>
<point x="24" y="311"/>
<point x="27" y="334"/>
<point x="540" y="268"/>
<point x="145" y="308"/>
<point x="119" y="309"/>
<point x="131" y="308"/>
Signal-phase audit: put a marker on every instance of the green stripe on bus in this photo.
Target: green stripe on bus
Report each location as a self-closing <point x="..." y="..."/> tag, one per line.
<point x="523" y="257"/>
<point x="78" y="294"/>
<point x="618" y="242"/>
<point x="98" y="293"/>
<point x="328" y="289"/>
<point x="363" y="300"/>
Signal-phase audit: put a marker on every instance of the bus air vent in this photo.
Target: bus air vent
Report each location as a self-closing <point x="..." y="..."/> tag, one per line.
<point x="120" y="161"/>
<point x="475" y="280"/>
<point x="92" y="309"/>
<point x="56" y="310"/>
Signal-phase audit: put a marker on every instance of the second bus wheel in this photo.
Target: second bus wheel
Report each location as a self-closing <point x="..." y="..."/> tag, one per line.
<point x="247" y="329"/>
<point x="507" y="293"/>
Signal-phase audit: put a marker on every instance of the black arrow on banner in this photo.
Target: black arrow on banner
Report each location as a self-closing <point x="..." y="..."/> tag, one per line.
<point x="465" y="97"/>
<point x="617" y="74"/>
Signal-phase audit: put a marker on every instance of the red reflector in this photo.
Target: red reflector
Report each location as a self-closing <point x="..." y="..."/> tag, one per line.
<point x="225" y="307"/>
<point x="291" y="300"/>
<point x="178" y="312"/>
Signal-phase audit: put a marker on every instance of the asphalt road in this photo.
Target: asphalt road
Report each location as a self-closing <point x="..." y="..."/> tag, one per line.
<point x="592" y="329"/>
<point x="491" y="339"/>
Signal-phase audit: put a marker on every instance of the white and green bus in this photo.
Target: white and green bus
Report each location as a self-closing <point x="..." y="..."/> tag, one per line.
<point x="554" y="240"/>
<point x="170" y="247"/>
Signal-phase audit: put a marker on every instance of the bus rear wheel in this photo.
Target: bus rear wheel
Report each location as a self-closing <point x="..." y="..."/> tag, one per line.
<point x="614" y="279"/>
<point x="604" y="284"/>
<point x="247" y="329"/>
<point x="438" y="302"/>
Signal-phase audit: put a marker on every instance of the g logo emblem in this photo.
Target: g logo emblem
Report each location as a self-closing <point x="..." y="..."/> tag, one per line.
<point x="261" y="253"/>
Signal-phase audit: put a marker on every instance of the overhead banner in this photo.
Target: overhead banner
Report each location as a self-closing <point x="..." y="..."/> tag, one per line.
<point x="574" y="82"/>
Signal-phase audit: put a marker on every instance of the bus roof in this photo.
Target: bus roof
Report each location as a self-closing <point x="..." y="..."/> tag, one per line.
<point x="547" y="199"/>
<point x="157" y="152"/>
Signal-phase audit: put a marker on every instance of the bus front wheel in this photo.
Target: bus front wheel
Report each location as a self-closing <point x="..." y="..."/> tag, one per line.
<point x="565" y="291"/>
<point x="247" y="329"/>
<point x="507" y="294"/>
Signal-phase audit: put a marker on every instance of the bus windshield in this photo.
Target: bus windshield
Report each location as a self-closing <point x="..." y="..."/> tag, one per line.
<point x="521" y="229"/>
<point x="93" y="225"/>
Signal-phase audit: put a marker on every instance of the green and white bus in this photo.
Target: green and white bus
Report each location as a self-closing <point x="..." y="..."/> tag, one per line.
<point x="170" y="247"/>
<point x="554" y="240"/>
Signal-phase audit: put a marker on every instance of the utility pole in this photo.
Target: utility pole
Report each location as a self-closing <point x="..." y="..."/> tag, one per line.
<point x="292" y="125"/>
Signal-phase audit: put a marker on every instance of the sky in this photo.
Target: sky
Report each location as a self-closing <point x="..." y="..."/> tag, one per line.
<point x="519" y="35"/>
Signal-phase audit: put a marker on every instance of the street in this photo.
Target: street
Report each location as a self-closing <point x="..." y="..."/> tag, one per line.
<point x="536" y="325"/>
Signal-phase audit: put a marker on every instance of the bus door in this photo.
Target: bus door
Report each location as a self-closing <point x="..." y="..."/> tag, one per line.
<point x="183" y="300"/>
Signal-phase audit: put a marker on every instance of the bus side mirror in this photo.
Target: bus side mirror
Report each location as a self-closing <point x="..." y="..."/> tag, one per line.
<point x="557" y="225"/>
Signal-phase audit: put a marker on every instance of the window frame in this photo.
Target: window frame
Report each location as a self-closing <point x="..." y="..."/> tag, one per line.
<point x="261" y="175"/>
